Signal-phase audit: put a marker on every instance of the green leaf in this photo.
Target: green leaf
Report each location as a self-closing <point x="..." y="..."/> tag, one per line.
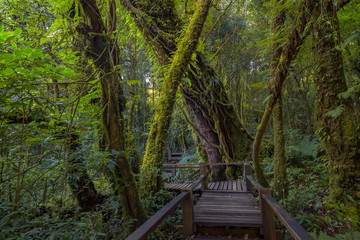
<point x="133" y="82"/>
<point x="18" y="32"/>
<point x="52" y="123"/>
<point x="6" y="36"/>
<point x="68" y="72"/>
<point x="267" y="99"/>
<point x="187" y="80"/>
<point x="335" y="112"/>
<point x="7" y="72"/>
<point x="28" y="51"/>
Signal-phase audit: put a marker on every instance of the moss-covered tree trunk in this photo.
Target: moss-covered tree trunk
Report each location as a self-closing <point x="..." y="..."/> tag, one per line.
<point x="280" y="184"/>
<point x="282" y="57"/>
<point x="335" y="119"/>
<point x="151" y="170"/>
<point x="216" y="123"/>
<point x="105" y="53"/>
<point x="280" y="180"/>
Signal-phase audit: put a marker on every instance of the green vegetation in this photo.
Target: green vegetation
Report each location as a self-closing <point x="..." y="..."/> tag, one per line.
<point x="92" y="92"/>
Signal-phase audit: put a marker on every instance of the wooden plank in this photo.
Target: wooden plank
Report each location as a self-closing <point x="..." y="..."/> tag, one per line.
<point x="243" y="187"/>
<point x="230" y="185"/>
<point x="225" y="233"/>
<point x="294" y="228"/>
<point x="188" y="214"/>
<point x="238" y="186"/>
<point x="239" y="223"/>
<point x="197" y="182"/>
<point x="234" y="188"/>
<point x="150" y="225"/>
<point x="211" y="185"/>
<point x="223" y="164"/>
<point x="224" y="186"/>
<point x="227" y="209"/>
<point x="216" y="187"/>
<point x="267" y="217"/>
<point x="233" y="194"/>
<point x="247" y="172"/>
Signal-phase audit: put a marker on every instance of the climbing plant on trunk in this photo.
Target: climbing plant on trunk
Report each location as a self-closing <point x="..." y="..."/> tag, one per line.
<point x="150" y="178"/>
<point x="281" y="60"/>
<point x="334" y="116"/>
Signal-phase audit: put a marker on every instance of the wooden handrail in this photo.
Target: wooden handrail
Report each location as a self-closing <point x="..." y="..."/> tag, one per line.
<point x="269" y="208"/>
<point x="224" y="164"/>
<point x="188" y="165"/>
<point x="150" y="225"/>
<point x="184" y="198"/>
<point x="294" y="228"/>
<point x="196" y="165"/>
<point x="193" y="174"/>
<point x="254" y="183"/>
<point x="196" y="183"/>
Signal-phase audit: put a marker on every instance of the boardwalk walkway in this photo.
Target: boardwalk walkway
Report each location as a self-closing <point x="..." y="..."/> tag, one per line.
<point x="231" y="185"/>
<point x="226" y="208"/>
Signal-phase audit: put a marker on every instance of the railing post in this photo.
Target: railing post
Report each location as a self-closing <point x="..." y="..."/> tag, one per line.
<point x="247" y="172"/>
<point x="203" y="172"/>
<point x="188" y="214"/>
<point x="268" y="217"/>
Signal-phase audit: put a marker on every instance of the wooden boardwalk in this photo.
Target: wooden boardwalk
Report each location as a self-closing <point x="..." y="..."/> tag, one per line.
<point x="231" y="186"/>
<point x="225" y="210"/>
<point x="225" y="203"/>
<point x="238" y="209"/>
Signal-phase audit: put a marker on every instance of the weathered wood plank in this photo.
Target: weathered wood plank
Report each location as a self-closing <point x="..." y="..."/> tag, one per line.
<point x="227" y="209"/>
<point x="234" y="188"/>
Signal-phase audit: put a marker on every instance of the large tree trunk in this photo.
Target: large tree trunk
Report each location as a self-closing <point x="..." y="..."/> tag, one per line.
<point x="335" y="119"/>
<point x="281" y="60"/>
<point x="280" y="180"/>
<point x="151" y="170"/>
<point x="104" y="51"/>
<point x="280" y="185"/>
<point x="216" y="123"/>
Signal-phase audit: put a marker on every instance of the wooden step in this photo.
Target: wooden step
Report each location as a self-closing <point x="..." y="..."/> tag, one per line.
<point x="227" y="209"/>
<point x="221" y="233"/>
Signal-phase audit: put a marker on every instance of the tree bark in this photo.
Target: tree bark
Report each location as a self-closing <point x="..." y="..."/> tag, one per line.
<point x="280" y="180"/>
<point x="338" y="132"/>
<point x="151" y="170"/>
<point x="280" y="185"/>
<point x="104" y="51"/>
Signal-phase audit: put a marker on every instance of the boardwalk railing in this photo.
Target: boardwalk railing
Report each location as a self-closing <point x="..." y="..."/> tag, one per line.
<point x="186" y="199"/>
<point x="269" y="208"/>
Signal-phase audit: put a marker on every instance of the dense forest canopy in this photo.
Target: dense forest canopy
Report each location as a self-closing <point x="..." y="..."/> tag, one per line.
<point x="93" y="92"/>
